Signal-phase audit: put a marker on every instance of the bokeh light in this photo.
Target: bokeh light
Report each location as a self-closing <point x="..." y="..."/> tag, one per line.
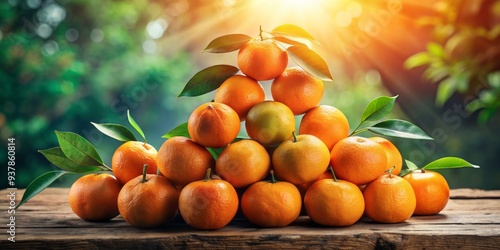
<point x="97" y="35"/>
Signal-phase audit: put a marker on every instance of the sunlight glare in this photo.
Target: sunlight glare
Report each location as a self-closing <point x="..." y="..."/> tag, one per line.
<point x="343" y="19"/>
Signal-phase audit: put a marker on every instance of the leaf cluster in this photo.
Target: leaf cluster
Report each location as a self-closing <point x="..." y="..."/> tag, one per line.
<point x="462" y="58"/>
<point x="294" y="39"/>
<point x="76" y="155"/>
<point x="378" y="109"/>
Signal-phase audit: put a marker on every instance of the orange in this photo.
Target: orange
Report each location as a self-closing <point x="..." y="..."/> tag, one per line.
<point x="270" y="123"/>
<point x="213" y="125"/>
<point x="358" y="160"/>
<point x="208" y="204"/>
<point x="128" y="159"/>
<point x="240" y="93"/>
<point x="431" y="190"/>
<point x="389" y="199"/>
<point x="327" y="123"/>
<point x="298" y="90"/>
<point x="149" y="200"/>
<point x="394" y="158"/>
<point x="181" y="160"/>
<point x="243" y="163"/>
<point x="325" y="175"/>
<point x="93" y="197"/>
<point x="333" y="202"/>
<point x="271" y="203"/>
<point x="300" y="159"/>
<point x="262" y="59"/>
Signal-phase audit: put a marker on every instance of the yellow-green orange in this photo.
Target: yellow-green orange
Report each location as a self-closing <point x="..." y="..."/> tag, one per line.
<point x="270" y="123"/>
<point x="300" y="159"/>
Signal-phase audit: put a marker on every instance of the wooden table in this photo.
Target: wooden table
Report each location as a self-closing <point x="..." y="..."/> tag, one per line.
<point x="471" y="220"/>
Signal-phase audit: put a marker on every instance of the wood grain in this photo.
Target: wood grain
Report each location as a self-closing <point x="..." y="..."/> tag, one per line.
<point x="471" y="220"/>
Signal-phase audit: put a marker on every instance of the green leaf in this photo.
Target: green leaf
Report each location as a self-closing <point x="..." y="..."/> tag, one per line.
<point x="39" y="184"/>
<point x="310" y="62"/>
<point x="494" y="79"/>
<point x="291" y="30"/>
<point x="208" y="79"/>
<point x="435" y="49"/>
<point x="78" y="149"/>
<point x="411" y="165"/>
<point x="293" y="41"/>
<point x="485" y="115"/>
<point x="474" y="105"/>
<point x="227" y="43"/>
<point x="444" y="91"/>
<point x="292" y="34"/>
<point x="378" y="108"/>
<point x="56" y="156"/>
<point x="436" y="73"/>
<point x="135" y="125"/>
<point x="404" y="172"/>
<point x="488" y="97"/>
<point x="180" y="130"/>
<point x="417" y="60"/>
<point x="456" y="43"/>
<point x="399" y="128"/>
<point x="115" y="131"/>
<point x="215" y="152"/>
<point x="449" y="162"/>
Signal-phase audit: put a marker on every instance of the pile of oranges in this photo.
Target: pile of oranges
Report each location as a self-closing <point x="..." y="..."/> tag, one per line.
<point x="271" y="176"/>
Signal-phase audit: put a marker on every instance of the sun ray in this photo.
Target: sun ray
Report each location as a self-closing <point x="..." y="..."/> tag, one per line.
<point x="345" y="29"/>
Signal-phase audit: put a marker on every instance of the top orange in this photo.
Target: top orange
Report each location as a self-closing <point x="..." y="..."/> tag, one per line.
<point x="213" y="125"/>
<point x="240" y="93"/>
<point x="262" y="59"/>
<point x="298" y="90"/>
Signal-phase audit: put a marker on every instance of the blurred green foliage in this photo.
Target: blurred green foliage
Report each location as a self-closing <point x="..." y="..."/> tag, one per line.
<point x="65" y="65"/>
<point x="463" y="54"/>
<point x="461" y="59"/>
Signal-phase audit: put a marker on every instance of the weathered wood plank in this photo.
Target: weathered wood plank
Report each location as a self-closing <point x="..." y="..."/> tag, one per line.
<point x="61" y="194"/>
<point x="457" y="211"/>
<point x="465" y="193"/>
<point x="71" y="221"/>
<point x="245" y="240"/>
<point x="471" y="220"/>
